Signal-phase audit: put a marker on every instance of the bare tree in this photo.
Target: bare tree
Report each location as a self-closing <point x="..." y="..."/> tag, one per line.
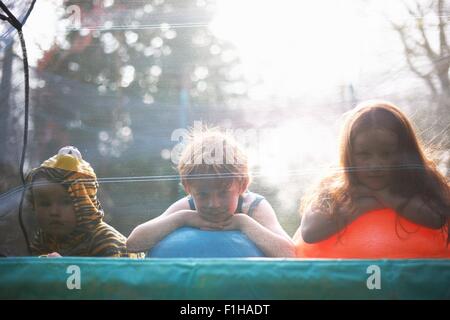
<point x="426" y="47"/>
<point x="427" y="52"/>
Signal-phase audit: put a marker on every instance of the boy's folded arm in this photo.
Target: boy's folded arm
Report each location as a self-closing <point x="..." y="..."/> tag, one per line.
<point x="266" y="232"/>
<point x="270" y="243"/>
<point x="148" y="234"/>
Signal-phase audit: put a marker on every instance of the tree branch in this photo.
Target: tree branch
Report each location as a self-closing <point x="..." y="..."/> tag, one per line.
<point x="443" y="46"/>
<point x="426" y="44"/>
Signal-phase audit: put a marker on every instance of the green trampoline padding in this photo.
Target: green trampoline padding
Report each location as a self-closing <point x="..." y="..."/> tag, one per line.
<point x="253" y="278"/>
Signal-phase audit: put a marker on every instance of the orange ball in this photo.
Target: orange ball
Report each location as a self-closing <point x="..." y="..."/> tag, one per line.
<point x="378" y="234"/>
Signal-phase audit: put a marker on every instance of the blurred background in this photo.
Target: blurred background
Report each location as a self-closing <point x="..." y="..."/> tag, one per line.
<point x="118" y="78"/>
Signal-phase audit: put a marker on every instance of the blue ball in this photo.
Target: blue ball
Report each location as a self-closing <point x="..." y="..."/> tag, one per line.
<point x="189" y="242"/>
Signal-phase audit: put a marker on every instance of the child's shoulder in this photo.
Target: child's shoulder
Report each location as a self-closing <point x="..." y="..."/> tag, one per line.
<point x="250" y="202"/>
<point x="180" y="204"/>
<point x="249" y="196"/>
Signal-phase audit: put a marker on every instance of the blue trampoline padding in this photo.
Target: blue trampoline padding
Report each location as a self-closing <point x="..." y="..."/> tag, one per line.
<point x="223" y="279"/>
<point x="189" y="242"/>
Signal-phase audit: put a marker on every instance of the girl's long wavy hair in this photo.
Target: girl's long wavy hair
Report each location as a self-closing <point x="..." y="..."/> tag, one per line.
<point x="415" y="174"/>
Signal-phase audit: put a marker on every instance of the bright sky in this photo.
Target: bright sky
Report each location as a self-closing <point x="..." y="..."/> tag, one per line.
<point x="295" y="46"/>
<point x="41" y="29"/>
<point x="299" y="48"/>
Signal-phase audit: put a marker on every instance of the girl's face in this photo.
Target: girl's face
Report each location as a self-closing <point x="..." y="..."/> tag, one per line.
<point x="54" y="208"/>
<point x="375" y="152"/>
<point x="215" y="202"/>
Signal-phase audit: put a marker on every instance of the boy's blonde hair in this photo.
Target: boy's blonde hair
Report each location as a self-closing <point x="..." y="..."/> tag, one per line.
<point x="211" y="154"/>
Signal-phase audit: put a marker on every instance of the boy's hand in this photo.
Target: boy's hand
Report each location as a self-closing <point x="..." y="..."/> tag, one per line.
<point x="236" y="222"/>
<point x="192" y="218"/>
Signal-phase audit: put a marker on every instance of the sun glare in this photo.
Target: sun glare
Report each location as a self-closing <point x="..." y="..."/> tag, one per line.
<point x="41" y="29"/>
<point x="293" y="47"/>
